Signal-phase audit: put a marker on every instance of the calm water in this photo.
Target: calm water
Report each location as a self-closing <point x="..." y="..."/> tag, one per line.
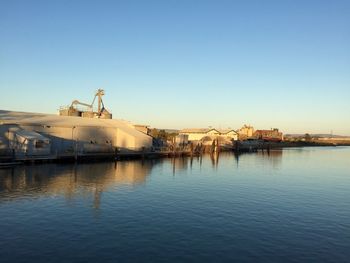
<point x="288" y="206"/>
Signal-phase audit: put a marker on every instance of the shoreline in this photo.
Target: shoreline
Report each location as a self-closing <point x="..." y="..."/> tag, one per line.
<point x="9" y="162"/>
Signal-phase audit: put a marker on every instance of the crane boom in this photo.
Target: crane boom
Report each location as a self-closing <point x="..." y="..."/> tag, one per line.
<point x="76" y="102"/>
<point x="102" y="112"/>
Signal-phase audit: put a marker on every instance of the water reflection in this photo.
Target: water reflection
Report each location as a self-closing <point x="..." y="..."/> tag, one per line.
<point x="271" y="157"/>
<point x="93" y="179"/>
<point x="180" y="164"/>
<point x="71" y="180"/>
<point x="214" y="157"/>
<point x="235" y="206"/>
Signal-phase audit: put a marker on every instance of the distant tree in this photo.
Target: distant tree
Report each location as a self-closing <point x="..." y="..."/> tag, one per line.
<point x="162" y="135"/>
<point x="154" y="133"/>
<point x="171" y="135"/>
<point x="307" y="137"/>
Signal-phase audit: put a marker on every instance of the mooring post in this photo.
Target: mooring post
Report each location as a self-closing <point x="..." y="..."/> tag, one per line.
<point x="76" y="151"/>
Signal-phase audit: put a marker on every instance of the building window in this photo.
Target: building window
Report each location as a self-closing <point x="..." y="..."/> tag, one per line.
<point x="39" y="144"/>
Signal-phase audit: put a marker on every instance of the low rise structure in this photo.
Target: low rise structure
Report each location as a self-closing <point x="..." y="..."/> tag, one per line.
<point x="199" y="134"/>
<point x="245" y="132"/>
<point x="23" y="142"/>
<point x="229" y="133"/>
<point x="268" y="135"/>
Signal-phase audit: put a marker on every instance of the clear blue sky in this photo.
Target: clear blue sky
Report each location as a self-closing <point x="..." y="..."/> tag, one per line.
<point x="177" y="64"/>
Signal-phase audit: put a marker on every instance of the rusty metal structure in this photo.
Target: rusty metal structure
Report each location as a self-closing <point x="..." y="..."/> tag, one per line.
<point x="88" y="111"/>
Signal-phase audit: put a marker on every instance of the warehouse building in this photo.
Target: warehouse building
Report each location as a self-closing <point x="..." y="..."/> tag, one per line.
<point x="32" y="134"/>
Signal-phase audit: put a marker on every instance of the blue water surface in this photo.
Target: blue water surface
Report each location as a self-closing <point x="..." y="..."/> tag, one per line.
<point x="290" y="205"/>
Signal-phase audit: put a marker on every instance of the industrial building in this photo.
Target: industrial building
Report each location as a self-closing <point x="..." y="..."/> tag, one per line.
<point x="80" y="130"/>
<point x="229" y="134"/>
<point x="269" y="135"/>
<point x="245" y="132"/>
<point x="34" y="135"/>
<point x="199" y="134"/>
<point x="86" y="110"/>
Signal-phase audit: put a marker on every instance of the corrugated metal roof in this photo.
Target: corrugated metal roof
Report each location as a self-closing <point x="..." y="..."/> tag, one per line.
<point x="27" y="118"/>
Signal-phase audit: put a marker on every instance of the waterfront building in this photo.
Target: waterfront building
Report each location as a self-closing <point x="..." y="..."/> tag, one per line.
<point x="229" y="134"/>
<point x="268" y="135"/>
<point x="27" y="134"/>
<point x="245" y="132"/>
<point x="199" y="134"/>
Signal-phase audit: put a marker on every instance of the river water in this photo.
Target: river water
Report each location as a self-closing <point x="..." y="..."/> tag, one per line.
<point x="290" y="205"/>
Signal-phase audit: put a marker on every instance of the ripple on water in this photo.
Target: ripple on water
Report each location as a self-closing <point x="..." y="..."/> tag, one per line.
<point x="289" y="206"/>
